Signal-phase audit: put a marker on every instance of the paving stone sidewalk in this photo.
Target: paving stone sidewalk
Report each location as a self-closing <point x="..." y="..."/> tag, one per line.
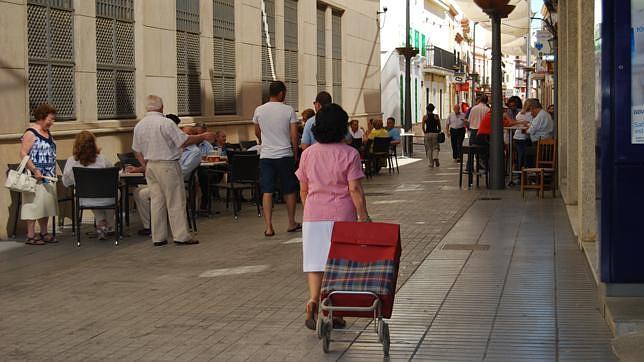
<point x="236" y="296"/>
<point x="507" y="283"/>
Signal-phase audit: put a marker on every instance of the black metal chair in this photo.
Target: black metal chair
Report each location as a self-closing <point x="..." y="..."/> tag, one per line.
<point x="191" y="205"/>
<point x="245" y="145"/>
<point x="357" y="143"/>
<point x="97" y="183"/>
<point x="243" y="174"/>
<point x="18" y="198"/>
<point x="379" y="151"/>
<point x="69" y="197"/>
<point x="128" y="158"/>
<point x="393" y="157"/>
<point x="232" y="147"/>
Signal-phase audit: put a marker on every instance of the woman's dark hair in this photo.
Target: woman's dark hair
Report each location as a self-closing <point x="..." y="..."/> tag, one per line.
<point x="330" y="124"/>
<point x="516" y="101"/>
<point x="430" y="108"/>
<point x="42" y="111"/>
<point x="174" y="118"/>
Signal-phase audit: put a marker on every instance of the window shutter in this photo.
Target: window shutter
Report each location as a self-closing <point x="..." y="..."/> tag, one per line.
<point x="50" y="37"/>
<point x="223" y="75"/>
<point x="115" y="69"/>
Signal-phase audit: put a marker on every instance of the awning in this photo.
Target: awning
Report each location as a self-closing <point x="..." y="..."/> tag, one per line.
<point x="514" y="28"/>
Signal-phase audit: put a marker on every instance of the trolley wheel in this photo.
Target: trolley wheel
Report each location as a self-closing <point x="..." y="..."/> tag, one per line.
<point x="326" y="335"/>
<point x="319" y="326"/>
<point x="385" y="339"/>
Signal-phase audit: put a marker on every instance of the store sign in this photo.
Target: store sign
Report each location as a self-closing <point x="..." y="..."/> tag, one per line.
<point x="637" y="72"/>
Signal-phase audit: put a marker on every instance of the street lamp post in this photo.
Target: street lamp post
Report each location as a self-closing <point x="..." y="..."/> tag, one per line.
<point x="496" y="10"/>
<point x="408" y="52"/>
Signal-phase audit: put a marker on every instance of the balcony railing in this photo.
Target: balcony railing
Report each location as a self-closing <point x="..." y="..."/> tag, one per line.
<point x="441" y="58"/>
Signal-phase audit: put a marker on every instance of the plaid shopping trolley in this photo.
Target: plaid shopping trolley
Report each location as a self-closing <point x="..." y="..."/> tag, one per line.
<point x="360" y="277"/>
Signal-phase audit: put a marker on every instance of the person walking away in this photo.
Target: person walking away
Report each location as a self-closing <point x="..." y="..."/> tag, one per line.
<point x="456" y="131"/>
<point x="189" y="161"/>
<point x="158" y="144"/>
<point x="431" y="128"/>
<point x="86" y="154"/>
<point x="276" y="130"/>
<point x="322" y="99"/>
<point x="38" y="143"/>
<point x="330" y="177"/>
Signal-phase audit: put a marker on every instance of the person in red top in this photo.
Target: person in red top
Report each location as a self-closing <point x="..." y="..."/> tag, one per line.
<point x="483" y="134"/>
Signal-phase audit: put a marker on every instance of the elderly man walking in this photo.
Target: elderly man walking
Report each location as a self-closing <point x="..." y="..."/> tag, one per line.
<point x="158" y="144"/>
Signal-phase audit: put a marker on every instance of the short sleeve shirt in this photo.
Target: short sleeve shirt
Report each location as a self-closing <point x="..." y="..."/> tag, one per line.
<point x="307" y="133"/>
<point x="327" y="170"/>
<point x="357" y="134"/>
<point x="476" y="115"/>
<point x="394" y="133"/>
<point x="274" y="120"/>
<point x="158" y="138"/>
<point x="456" y="121"/>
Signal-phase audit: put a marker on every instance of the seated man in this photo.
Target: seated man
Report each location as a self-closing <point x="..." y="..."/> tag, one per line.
<point x="205" y="147"/>
<point x="204" y="180"/>
<point x="189" y="161"/>
<point x="394" y="132"/>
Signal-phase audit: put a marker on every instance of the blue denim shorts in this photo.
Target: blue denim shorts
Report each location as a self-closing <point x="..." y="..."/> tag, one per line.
<point x="282" y="169"/>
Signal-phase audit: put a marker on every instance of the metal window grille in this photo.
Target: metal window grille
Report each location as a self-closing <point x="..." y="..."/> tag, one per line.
<point x="336" y="50"/>
<point x="188" y="62"/>
<point x="51" y="55"/>
<point x="115" y="69"/>
<point x="321" y="52"/>
<point x="223" y="74"/>
<point x="290" y="53"/>
<point x="268" y="55"/>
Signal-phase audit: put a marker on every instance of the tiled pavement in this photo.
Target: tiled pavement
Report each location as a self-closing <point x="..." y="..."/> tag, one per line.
<point x="240" y="296"/>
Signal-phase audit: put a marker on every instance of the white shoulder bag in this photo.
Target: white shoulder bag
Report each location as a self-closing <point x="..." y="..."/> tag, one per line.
<point x="20" y="181"/>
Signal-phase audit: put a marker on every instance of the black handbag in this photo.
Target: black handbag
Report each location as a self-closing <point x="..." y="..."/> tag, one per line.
<point x="441" y="137"/>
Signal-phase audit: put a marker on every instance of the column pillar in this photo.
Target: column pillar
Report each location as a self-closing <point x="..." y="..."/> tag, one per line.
<point x="562" y="101"/>
<point x="586" y="118"/>
<point x="572" y="105"/>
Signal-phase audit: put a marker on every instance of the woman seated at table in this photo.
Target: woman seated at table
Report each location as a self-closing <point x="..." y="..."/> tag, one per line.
<point x="87" y="154"/>
<point x="483" y="134"/>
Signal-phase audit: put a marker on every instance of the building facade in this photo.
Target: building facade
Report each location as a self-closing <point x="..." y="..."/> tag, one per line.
<point x="210" y="61"/>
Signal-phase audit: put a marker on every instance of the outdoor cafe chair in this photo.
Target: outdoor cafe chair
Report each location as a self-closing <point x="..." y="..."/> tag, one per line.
<point x="536" y="178"/>
<point x="97" y="183"/>
<point x="18" y="202"/>
<point x="128" y="158"/>
<point x="67" y="197"/>
<point x="191" y="195"/>
<point x="245" y="145"/>
<point x="379" y="151"/>
<point x="243" y="174"/>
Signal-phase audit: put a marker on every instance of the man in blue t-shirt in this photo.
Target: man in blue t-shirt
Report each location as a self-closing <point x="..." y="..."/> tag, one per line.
<point x="394" y="132"/>
<point x="322" y="99"/>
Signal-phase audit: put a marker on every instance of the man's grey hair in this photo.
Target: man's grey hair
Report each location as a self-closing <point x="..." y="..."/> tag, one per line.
<point x="533" y="103"/>
<point x="153" y="103"/>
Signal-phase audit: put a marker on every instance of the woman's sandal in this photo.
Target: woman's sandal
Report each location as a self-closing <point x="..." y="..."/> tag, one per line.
<point x="49" y="239"/>
<point x="311" y="315"/>
<point x="34" y="241"/>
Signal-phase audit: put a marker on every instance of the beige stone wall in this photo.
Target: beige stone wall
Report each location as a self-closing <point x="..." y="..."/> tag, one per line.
<point x="155" y="46"/>
<point x="576" y="130"/>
